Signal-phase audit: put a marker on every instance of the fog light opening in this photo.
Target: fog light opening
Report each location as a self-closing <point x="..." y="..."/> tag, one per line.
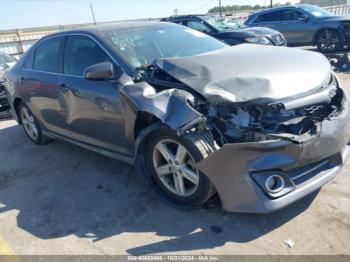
<point x="274" y="184"/>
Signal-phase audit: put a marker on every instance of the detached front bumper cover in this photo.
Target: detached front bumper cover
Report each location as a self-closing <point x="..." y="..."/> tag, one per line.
<point x="239" y="170"/>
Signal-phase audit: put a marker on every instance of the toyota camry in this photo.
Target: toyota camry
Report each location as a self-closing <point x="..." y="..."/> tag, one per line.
<point x="261" y="126"/>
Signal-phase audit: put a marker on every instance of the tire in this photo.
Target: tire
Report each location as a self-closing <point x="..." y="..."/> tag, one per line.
<point x="31" y="125"/>
<point x="198" y="145"/>
<point x="329" y="41"/>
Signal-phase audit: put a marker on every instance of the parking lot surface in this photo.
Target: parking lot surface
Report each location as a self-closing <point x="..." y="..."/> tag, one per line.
<point x="61" y="199"/>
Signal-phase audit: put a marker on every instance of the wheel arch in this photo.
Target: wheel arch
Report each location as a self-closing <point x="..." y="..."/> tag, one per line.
<point x="142" y="121"/>
<point x="16" y="103"/>
<point x="320" y="30"/>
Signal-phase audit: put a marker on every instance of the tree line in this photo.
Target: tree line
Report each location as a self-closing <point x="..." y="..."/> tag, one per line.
<point x="235" y="8"/>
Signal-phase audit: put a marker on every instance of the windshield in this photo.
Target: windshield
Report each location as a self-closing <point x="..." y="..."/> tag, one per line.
<point x="4" y="59"/>
<point x="223" y="23"/>
<point x="142" y="46"/>
<point x="316" y="11"/>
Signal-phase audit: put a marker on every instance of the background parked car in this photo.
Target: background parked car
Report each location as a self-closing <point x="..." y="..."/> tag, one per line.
<point x="229" y="31"/>
<point x="5" y="62"/>
<point x="305" y="25"/>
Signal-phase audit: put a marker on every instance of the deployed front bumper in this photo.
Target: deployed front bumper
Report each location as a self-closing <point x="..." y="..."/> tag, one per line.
<point x="238" y="170"/>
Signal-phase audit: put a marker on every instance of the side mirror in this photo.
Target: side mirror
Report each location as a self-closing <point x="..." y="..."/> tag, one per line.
<point x="100" y="71"/>
<point x="304" y="18"/>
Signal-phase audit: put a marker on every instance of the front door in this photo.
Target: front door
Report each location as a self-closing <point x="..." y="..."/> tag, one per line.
<point x="93" y="108"/>
<point x="295" y="28"/>
<point x="39" y="82"/>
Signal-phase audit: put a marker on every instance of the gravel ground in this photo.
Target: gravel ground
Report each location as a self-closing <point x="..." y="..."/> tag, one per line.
<point x="61" y="199"/>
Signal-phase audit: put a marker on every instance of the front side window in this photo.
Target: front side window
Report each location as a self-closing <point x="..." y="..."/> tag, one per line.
<point x="142" y="46"/>
<point x="80" y="53"/>
<point x="291" y="15"/>
<point x="47" y="55"/>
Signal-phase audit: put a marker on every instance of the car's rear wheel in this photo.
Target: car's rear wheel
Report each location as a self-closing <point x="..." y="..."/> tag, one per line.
<point x="329" y="41"/>
<point x="172" y="162"/>
<point x="30" y="125"/>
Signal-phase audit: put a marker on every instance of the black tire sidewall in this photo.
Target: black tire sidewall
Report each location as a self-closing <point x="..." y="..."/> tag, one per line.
<point x="201" y="194"/>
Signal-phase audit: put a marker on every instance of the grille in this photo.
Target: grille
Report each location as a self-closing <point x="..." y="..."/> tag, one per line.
<point x="302" y="174"/>
<point x="2" y="91"/>
<point x="3" y="104"/>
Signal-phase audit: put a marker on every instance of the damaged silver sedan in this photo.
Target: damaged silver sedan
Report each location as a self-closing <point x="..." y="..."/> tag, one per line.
<point x="260" y="126"/>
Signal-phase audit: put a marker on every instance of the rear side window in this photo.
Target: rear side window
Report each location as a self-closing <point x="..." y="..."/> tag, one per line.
<point x="80" y="53"/>
<point x="47" y="55"/>
<point x="29" y="63"/>
<point x="269" y="17"/>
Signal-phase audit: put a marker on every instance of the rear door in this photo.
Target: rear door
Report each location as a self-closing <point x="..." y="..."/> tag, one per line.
<point x="39" y="84"/>
<point x="93" y="108"/>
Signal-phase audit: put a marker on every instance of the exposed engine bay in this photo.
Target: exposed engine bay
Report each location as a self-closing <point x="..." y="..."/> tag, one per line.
<point x="254" y="123"/>
<point x="251" y="121"/>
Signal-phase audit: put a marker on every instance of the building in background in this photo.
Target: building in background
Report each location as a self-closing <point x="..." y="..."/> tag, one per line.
<point x="16" y="42"/>
<point x="325" y="2"/>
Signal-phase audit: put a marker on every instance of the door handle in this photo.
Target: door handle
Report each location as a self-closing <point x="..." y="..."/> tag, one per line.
<point x="22" y="80"/>
<point x="285" y="23"/>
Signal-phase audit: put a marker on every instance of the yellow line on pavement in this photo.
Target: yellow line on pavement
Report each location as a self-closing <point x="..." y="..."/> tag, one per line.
<point x="5" y="248"/>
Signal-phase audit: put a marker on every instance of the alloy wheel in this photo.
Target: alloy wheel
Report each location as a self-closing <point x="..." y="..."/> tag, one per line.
<point x="328" y="41"/>
<point x="175" y="167"/>
<point x="29" y="123"/>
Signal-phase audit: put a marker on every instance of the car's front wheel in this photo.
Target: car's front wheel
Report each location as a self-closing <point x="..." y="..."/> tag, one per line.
<point x="31" y="125"/>
<point x="172" y="162"/>
<point x="329" y="41"/>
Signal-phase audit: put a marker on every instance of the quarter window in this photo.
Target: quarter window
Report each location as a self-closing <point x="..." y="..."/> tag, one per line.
<point x="47" y="55"/>
<point x="29" y="63"/>
<point x="80" y="53"/>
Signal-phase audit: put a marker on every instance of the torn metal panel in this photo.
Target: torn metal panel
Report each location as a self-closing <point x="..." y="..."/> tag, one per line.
<point x="241" y="73"/>
<point x="171" y="106"/>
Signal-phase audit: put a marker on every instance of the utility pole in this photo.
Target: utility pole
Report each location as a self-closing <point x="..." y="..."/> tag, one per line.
<point x="93" y="14"/>
<point x="220" y="7"/>
<point x="270" y="3"/>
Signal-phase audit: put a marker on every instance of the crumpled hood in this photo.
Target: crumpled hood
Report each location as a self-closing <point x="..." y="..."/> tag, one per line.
<point x="250" y="72"/>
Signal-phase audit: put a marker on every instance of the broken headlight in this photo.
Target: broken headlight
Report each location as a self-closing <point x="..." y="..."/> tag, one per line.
<point x="262" y="40"/>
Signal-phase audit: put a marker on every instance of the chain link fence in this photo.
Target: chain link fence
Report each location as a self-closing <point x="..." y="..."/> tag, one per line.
<point x="16" y="42"/>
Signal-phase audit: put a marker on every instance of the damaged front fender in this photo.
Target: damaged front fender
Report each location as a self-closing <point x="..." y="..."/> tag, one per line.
<point x="171" y="106"/>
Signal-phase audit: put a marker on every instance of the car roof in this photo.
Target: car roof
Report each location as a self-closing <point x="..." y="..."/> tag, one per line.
<point x="114" y="26"/>
<point x="275" y="9"/>
<point x="181" y="17"/>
